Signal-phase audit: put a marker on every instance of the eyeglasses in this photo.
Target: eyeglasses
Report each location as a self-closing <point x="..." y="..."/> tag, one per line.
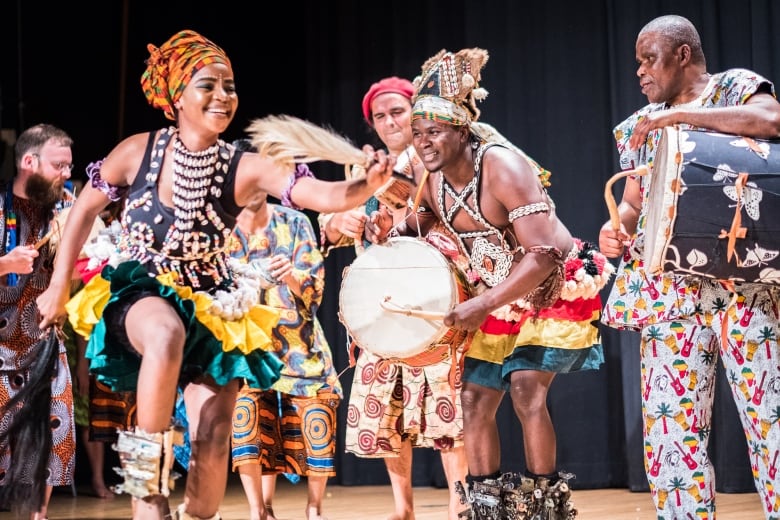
<point x="59" y="166"/>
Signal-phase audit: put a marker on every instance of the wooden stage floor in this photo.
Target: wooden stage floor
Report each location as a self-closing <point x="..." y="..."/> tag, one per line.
<point x="375" y="503"/>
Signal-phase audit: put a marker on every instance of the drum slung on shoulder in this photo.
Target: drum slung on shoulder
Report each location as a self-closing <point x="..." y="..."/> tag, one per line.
<point x="393" y="299"/>
<point x="715" y="207"/>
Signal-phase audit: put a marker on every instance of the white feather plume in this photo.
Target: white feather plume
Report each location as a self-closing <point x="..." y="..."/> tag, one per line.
<point x="288" y="140"/>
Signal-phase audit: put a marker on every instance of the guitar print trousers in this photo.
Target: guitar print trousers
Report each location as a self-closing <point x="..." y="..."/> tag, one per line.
<point x="679" y="359"/>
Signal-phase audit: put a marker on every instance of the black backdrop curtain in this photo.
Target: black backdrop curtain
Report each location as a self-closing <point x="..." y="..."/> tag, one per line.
<point x="560" y="76"/>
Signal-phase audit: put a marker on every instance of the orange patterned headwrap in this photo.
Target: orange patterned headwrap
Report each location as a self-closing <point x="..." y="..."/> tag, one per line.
<point x="170" y="67"/>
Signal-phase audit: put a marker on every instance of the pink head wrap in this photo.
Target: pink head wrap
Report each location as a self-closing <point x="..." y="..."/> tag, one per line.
<point x="393" y="84"/>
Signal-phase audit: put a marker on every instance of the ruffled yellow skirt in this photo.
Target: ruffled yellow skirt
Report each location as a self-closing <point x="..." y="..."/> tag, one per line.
<point x="223" y="349"/>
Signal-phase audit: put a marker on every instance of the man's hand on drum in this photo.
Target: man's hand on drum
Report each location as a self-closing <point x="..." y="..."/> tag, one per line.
<point x="379" y="224"/>
<point x="611" y="242"/>
<point x="650" y="122"/>
<point x="468" y="315"/>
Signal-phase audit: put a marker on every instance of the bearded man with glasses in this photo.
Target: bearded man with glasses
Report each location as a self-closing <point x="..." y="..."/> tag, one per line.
<point x="37" y="431"/>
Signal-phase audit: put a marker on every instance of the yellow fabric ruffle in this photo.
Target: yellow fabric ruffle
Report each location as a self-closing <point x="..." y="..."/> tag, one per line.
<point x="549" y="332"/>
<point x="85" y="308"/>
<point x="248" y="333"/>
<point x="563" y="334"/>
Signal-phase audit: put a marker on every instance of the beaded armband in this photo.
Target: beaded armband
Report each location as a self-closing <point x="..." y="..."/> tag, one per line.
<point x="301" y="170"/>
<point x="528" y="209"/>
<point x="111" y="191"/>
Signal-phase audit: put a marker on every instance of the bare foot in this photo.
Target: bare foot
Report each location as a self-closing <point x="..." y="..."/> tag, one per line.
<point x="313" y="513"/>
<point x="268" y="514"/>
<point x="100" y="490"/>
<point x="396" y="516"/>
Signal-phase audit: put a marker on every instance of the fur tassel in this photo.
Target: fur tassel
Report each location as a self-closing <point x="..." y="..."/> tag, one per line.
<point x="29" y="432"/>
<point x="289" y="140"/>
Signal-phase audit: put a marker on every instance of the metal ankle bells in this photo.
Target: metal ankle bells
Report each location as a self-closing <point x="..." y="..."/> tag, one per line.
<point x="147" y="459"/>
<point x="516" y="497"/>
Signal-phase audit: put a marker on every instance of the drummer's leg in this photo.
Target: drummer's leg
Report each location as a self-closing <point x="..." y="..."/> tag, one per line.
<point x="400" y="471"/>
<point x="480" y="429"/>
<point x="483" y="389"/>
<point x="453" y="460"/>
<point x="529" y="399"/>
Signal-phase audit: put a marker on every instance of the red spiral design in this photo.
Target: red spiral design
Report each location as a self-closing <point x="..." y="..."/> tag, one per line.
<point x="367" y="441"/>
<point x="368" y="373"/>
<point x="386" y="372"/>
<point x="406" y="395"/>
<point x="372" y="407"/>
<point x="445" y="410"/>
<point x="353" y="416"/>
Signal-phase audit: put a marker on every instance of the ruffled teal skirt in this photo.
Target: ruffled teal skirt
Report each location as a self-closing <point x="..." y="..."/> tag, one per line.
<point x="223" y="350"/>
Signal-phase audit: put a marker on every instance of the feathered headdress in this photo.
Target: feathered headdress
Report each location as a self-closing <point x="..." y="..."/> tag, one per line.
<point x="448" y="88"/>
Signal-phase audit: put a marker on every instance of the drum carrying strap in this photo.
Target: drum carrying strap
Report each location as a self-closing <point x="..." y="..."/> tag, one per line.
<point x="459" y="363"/>
<point x="737" y="229"/>
<point x="418" y="195"/>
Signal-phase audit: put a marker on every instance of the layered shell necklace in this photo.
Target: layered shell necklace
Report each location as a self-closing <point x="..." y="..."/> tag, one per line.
<point x="188" y="246"/>
<point x="193" y="173"/>
<point x="190" y="236"/>
<point x="192" y="176"/>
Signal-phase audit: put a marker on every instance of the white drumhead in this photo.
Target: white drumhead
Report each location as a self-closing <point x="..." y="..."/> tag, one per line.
<point x="412" y="274"/>
<point x="662" y="197"/>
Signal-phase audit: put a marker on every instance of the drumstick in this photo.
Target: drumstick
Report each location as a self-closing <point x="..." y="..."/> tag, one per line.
<point x="406" y="311"/>
<point x="614" y="214"/>
<point x="55" y="228"/>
